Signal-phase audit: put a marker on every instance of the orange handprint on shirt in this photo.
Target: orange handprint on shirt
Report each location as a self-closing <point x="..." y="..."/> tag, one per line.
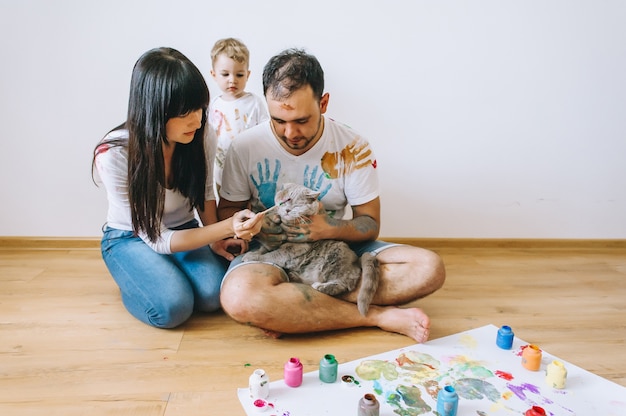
<point x="354" y="156"/>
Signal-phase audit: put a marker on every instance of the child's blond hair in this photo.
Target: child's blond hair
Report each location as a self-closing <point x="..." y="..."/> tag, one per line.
<point x="232" y="48"/>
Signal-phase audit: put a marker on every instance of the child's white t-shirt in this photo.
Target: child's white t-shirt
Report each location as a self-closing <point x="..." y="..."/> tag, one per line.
<point x="229" y="119"/>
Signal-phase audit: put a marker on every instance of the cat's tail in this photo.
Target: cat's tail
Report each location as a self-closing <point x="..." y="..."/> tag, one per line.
<point x="370" y="276"/>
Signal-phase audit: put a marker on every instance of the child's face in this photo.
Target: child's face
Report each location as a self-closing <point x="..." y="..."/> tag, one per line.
<point x="231" y="76"/>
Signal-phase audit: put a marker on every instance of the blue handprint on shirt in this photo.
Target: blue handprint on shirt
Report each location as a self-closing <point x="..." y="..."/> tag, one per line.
<point x="313" y="184"/>
<point x="266" y="186"/>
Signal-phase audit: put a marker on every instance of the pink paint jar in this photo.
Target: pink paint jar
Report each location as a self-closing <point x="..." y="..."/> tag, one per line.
<point x="293" y="372"/>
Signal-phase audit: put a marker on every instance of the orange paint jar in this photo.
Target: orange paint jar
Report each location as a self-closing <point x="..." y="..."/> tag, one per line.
<point x="531" y="357"/>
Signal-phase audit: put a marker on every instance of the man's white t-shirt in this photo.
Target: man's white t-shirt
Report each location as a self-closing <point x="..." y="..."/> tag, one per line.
<point x="341" y="166"/>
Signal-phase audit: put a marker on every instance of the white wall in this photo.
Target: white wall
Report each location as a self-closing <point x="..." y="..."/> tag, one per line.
<point x="490" y="119"/>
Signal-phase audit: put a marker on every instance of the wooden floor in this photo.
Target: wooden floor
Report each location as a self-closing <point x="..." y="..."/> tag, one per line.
<point x="68" y="347"/>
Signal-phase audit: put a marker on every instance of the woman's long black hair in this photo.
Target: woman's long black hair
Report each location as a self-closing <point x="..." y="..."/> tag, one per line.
<point x="164" y="84"/>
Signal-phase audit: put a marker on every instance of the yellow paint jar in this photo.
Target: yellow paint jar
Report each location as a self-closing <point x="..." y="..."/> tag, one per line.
<point x="556" y="374"/>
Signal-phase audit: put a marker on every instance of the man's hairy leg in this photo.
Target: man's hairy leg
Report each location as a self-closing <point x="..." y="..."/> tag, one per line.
<point x="259" y="295"/>
<point x="407" y="273"/>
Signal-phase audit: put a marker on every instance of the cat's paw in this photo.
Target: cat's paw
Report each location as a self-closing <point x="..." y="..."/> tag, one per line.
<point x="330" y="288"/>
<point x="251" y="256"/>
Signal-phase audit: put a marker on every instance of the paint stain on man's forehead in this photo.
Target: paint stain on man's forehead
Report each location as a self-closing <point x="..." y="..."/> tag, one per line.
<point x="286" y="106"/>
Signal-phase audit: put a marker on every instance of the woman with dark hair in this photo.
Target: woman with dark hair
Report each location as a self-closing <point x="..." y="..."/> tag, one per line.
<point x="157" y="170"/>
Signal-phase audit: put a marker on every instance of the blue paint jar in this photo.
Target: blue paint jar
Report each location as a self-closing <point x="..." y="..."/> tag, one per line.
<point x="505" y="336"/>
<point x="447" y="401"/>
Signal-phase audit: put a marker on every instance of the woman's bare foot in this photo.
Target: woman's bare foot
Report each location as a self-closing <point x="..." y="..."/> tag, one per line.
<point x="412" y="322"/>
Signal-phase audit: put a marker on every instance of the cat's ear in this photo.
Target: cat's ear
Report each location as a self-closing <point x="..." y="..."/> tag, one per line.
<point x="313" y="194"/>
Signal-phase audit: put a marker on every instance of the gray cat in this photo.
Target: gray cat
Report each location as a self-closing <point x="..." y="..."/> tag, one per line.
<point x="329" y="266"/>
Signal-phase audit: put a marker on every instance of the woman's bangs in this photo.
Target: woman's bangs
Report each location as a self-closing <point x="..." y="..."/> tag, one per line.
<point x="190" y="94"/>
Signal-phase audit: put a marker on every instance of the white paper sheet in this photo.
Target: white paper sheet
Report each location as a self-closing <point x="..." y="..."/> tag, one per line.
<point x="488" y="379"/>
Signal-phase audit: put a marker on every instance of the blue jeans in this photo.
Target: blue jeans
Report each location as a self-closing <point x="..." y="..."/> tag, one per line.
<point x="162" y="290"/>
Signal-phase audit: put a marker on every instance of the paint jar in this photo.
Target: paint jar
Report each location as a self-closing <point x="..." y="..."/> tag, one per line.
<point x="259" y="383"/>
<point x="293" y="372"/>
<point x="504" y="339"/>
<point x="328" y="368"/>
<point x="556" y="373"/>
<point x="369" y="406"/>
<point x="535" y="411"/>
<point x="531" y="357"/>
<point x="348" y="381"/>
<point x="447" y="401"/>
<point x="260" y="405"/>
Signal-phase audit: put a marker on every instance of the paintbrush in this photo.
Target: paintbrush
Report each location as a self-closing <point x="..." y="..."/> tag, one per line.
<point x="244" y="224"/>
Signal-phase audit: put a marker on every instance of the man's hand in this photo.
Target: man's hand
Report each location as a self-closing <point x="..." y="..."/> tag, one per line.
<point x="271" y="234"/>
<point x="311" y="228"/>
<point x="229" y="248"/>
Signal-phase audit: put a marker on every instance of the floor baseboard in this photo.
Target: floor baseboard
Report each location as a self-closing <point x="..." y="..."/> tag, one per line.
<point x="76" y="243"/>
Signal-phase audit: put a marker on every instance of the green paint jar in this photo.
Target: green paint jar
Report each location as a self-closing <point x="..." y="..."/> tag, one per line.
<point x="328" y="368"/>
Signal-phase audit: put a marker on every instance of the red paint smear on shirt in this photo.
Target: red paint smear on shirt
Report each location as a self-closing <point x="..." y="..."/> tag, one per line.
<point x="504" y="375"/>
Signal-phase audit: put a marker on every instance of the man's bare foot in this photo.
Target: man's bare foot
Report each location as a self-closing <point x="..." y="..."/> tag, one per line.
<point x="272" y="334"/>
<point x="412" y="322"/>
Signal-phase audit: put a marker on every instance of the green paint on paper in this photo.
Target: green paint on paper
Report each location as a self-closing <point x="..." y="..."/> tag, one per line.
<point x="373" y="369"/>
<point x="475" y="389"/>
<point x="407" y="401"/>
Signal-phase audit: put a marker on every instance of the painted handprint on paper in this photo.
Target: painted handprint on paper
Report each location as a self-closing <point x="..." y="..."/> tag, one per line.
<point x="267" y="182"/>
<point x="354" y="156"/>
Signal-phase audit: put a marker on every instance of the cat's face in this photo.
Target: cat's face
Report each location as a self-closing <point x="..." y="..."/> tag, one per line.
<point x="294" y="202"/>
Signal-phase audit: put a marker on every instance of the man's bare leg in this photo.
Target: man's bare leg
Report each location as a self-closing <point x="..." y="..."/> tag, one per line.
<point x="259" y="295"/>
<point x="407" y="274"/>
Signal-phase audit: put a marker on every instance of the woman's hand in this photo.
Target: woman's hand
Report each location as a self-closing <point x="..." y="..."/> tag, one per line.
<point x="246" y="224"/>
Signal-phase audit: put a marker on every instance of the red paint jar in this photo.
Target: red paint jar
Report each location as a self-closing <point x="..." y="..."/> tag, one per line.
<point x="535" y="411"/>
